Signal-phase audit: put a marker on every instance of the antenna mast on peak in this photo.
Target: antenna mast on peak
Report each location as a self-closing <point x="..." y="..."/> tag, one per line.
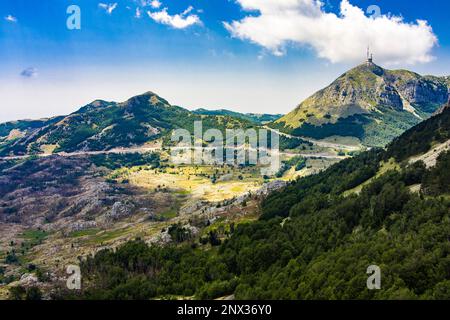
<point x="369" y="57"/>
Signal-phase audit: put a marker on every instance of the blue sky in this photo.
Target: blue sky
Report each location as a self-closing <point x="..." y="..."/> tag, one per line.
<point x="245" y="55"/>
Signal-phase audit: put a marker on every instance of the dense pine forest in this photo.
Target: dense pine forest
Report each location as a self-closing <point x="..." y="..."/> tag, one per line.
<point x="314" y="239"/>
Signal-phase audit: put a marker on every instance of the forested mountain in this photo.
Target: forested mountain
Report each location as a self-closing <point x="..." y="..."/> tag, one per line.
<point x="368" y="102"/>
<point x="253" y="117"/>
<point x="24" y="125"/>
<point x="315" y="238"/>
<point x="13" y="131"/>
<point x="105" y="125"/>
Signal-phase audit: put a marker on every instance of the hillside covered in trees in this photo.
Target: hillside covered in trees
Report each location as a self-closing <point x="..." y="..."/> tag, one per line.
<point x="314" y="239"/>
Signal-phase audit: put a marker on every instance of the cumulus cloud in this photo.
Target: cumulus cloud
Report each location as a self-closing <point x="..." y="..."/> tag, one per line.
<point x="273" y="24"/>
<point x="109" y="8"/>
<point x="177" y="21"/>
<point x="29" y="73"/>
<point x="10" y="18"/>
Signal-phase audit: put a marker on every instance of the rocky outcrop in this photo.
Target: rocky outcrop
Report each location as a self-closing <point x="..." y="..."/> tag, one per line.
<point x="82" y="225"/>
<point x="424" y="90"/>
<point x="119" y="211"/>
<point x="28" y="280"/>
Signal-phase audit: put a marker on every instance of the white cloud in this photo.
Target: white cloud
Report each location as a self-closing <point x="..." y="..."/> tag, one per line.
<point x="155" y="4"/>
<point x="109" y="8"/>
<point x="188" y="10"/>
<point x="10" y="18"/>
<point x="138" y="13"/>
<point x="337" y="38"/>
<point x="177" y="21"/>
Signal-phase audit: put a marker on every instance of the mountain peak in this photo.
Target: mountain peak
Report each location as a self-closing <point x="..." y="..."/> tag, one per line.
<point x="147" y="94"/>
<point x="364" y="99"/>
<point x="148" y="97"/>
<point x="96" y="104"/>
<point x="367" y="67"/>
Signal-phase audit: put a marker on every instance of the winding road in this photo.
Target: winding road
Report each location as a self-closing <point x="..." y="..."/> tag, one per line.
<point x="144" y="149"/>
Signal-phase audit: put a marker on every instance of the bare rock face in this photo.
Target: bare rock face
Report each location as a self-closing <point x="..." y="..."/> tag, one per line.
<point x="192" y="207"/>
<point x="194" y="231"/>
<point x="391" y="98"/>
<point x="163" y="238"/>
<point x="424" y="90"/>
<point x="28" y="280"/>
<point x="119" y="211"/>
<point x="82" y="225"/>
<point x="271" y="186"/>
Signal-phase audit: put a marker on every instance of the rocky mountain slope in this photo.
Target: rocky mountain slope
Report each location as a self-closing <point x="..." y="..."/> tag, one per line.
<point x="368" y="102"/>
<point x="443" y="108"/>
<point x="315" y="240"/>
